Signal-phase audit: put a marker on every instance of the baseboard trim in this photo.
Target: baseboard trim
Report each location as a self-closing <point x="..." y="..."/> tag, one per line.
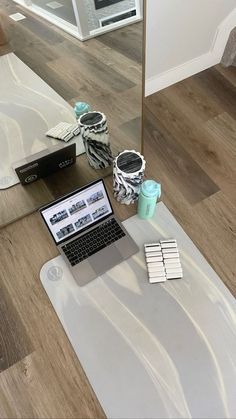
<point x="211" y="58"/>
<point x="176" y="74"/>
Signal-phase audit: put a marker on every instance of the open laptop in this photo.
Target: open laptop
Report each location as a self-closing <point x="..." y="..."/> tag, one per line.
<point x="86" y="232"/>
<point x="45" y="162"/>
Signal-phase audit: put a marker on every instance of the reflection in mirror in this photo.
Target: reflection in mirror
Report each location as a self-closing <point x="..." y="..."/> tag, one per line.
<point x="45" y="71"/>
<point x="88" y="18"/>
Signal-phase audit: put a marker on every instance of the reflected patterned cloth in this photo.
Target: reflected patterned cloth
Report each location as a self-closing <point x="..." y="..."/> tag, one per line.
<point x="95" y="135"/>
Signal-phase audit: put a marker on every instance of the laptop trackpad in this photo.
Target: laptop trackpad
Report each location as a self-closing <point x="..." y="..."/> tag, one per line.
<point x="105" y="259"/>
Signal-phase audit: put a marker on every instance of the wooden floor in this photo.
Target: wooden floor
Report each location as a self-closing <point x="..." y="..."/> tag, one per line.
<point x="40" y="376"/>
<point x="190" y="147"/>
<point x="105" y="71"/>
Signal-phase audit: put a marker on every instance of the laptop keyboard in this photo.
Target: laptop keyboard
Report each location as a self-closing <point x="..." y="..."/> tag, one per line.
<point x="83" y="247"/>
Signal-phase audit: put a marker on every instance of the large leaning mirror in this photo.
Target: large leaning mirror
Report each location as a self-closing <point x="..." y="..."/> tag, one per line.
<point x="52" y="55"/>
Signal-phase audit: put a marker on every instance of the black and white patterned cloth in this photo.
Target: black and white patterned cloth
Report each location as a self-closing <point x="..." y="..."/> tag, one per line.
<point x="128" y="173"/>
<point x="95" y="136"/>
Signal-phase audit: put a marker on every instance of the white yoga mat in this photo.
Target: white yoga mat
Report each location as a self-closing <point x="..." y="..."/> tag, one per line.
<point x="152" y="351"/>
<point x="28" y="109"/>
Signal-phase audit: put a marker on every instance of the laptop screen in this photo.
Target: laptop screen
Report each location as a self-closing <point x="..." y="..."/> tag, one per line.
<point x="77" y="211"/>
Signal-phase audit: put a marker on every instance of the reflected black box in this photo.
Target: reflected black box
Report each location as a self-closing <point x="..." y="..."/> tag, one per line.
<point x="104" y="3"/>
<point x="45" y="163"/>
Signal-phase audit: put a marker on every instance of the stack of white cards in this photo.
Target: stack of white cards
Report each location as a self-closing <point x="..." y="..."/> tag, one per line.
<point x="64" y="131"/>
<point x="163" y="261"/>
<point x="155" y="263"/>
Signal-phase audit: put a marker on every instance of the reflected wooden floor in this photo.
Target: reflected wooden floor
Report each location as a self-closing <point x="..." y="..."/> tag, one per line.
<point x="190" y="146"/>
<point x="102" y="71"/>
<point x="105" y="71"/>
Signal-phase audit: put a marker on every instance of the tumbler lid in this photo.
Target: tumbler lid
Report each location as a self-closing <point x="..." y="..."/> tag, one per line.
<point x="92" y="119"/>
<point x="150" y="188"/>
<point x="81" y="108"/>
<point x="129" y="162"/>
<point x="123" y="165"/>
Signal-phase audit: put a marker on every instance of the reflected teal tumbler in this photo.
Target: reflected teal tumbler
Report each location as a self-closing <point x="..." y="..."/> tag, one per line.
<point x="149" y="193"/>
<point x="80" y="108"/>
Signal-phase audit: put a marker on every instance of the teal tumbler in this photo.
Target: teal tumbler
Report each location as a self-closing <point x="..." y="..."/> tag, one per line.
<point x="149" y="193"/>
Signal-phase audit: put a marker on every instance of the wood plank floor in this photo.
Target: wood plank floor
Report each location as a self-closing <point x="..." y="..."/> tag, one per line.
<point x="40" y="376"/>
<point x="102" y="71"/>
<point x="190" y="147"/>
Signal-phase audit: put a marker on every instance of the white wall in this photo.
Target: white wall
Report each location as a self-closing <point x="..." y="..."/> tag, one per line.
<point x="178" y="33"/>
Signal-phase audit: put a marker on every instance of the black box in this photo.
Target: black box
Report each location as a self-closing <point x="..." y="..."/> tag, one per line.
<point x="45" y="163"/>
<point x="99" y="4"/>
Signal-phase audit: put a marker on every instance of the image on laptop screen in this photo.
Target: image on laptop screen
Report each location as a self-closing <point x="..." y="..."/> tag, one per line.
<point x="78" y="211"/>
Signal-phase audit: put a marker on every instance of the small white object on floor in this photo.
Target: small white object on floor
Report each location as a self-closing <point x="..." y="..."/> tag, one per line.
<point x="17" y="16"/>
<point x="54" y="5"/>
